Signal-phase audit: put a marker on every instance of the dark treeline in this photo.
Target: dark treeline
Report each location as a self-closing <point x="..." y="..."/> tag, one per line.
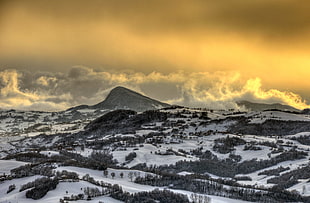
<point x="41" y="187"/>
<point x="304" y="139"/>
<point x="230" y="167"/>
<point x="290" y="178"/>
<point x="33" y="169"/>
<point x="43" y="165"/>
<point x="270" y="127"/>
<point x="214" y="188"/>
<point x="122" y="121"/>
<point x="274" y="172"/>
<point x="155" y="196"/>
<point x="226" y="145"/>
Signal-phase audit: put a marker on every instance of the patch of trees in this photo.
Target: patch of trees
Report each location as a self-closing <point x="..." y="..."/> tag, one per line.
<point x="230" y="167"/>
<point x="33" y="169"/>
<point x="254" y="165"/>
<point x="97" y="160"/>
<point x="72" y="198"/>
<point x="243" y="178"/>
<point x="268" y="144"/>
<point x="40" y="187"/>
<point x="274" y="172"/>
<point x="149" y="116"/>
<point x="251" y="147"/>
<point x="32" y="157"/>
<point x="93" y="192"/>
<point x="198" y="152"/>
<point x="226" y="145"/>
<point x="171" y="107"/>
<point x="183" y="151"/>
<point x="114" y="142"/>
<point x="235" y="157"/>
<point x="290" y="178"/>
<point x="11" y="188"/>
<point x="212" y="188"/>
<point x="117" y="192"/>
<point x="111" y="119"/>
<point x="196" y="198"/>
<point x="63" y="175"/>
<point x="102" y="156"/>
<point x="130" y="156"/>
<point x="270" y="127"/>
<point x="304" y="139"/>
<point x="122" y="121"/>
<point x="155" y="196"/>
<point x="224" y="168"/>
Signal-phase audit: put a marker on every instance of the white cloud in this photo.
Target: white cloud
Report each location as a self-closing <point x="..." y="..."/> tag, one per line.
<point x="83" y="85"/>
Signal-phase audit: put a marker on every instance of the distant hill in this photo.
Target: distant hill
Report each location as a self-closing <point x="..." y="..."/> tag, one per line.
<point x="305" y="111"/>
<point x="262" y="106"/>
<point x="123" y="98"/>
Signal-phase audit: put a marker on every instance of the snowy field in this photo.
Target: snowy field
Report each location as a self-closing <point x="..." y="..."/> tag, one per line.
<point x="73" y="188"/>
<point x="7" y="165"/>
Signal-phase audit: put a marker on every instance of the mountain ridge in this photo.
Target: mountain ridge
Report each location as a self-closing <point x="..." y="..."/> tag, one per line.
<point x="255" y="106"/>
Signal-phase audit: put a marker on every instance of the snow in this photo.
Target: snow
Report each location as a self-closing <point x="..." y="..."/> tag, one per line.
<point x="86" y="152"/>
<point x="252" y="154"/>
<point x="132" y="187"/>
<point x="5" y="144"/>
<point x="184" y="173"/>
<point x="144" y="155"/>
<point x="299" y="135"/>
<point x="86" y="110"/>
<point x="15" y="195"/>
<point x="261" y="180"/>
<point x="125" y="182"/>
<point x="7" y="165"/>
<point x="49" y="153"/>
<point x="73" y="188"/>
<point x="303" y="187"/>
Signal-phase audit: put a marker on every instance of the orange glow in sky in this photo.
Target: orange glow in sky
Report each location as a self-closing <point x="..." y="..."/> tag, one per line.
<point x="265" y="42"/>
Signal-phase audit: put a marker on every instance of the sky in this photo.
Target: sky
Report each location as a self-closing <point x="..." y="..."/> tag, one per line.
<point x="204" y="53"/>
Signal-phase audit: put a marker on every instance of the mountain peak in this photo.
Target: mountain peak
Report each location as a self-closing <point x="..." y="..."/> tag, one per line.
<point x="121" y="90"/>
<point x="124" y="98"/>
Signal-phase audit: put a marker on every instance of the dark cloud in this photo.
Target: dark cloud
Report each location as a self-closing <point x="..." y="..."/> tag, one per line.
<point x="273" y="17"/>
<point x="77" y="72"/>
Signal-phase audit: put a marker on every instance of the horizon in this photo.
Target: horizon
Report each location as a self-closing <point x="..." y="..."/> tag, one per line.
<point x="57" y="55"/>
<point x="236" y="104"/>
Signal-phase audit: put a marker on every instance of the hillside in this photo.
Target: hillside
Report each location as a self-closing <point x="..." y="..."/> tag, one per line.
<point x="174" y="153"/>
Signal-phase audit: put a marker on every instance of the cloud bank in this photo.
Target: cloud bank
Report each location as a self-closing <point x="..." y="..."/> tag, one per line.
<point x="50" y="91"/>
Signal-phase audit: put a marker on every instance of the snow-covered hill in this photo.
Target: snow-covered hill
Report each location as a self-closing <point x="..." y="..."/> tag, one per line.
<point x="181" y="154"/>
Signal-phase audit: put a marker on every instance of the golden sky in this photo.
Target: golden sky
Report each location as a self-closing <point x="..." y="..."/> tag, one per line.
<point x="260" y="49"/>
